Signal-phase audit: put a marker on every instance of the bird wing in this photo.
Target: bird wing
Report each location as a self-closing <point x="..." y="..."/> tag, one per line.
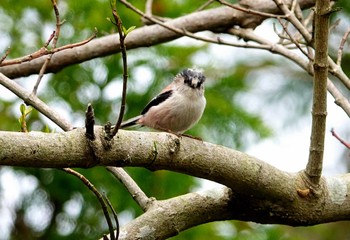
<point x="157" y="100"/>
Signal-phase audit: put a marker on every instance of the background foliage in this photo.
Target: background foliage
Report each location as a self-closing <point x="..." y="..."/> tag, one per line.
<point x="242" y="84"/>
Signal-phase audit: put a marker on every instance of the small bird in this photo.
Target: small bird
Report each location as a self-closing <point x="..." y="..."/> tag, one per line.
<point x="178" y="107"/>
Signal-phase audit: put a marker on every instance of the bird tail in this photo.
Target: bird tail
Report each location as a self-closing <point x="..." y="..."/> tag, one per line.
<point x="130" y="122"/>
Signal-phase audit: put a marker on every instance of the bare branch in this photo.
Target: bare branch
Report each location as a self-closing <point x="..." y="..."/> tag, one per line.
<point x="5" y="55"/>
<point x="250" y="11"/>
<point x="41" y="74"/>
<point x="54" y="36"/>
<point x="290" y="16"/>
<point x="291" y="38"/>
<point x="212" y="19"/>
<point x="99" y="197"/>
<point x="114" y="215"/>
<point x="44" y="51"/>
<point x="340" y="100"/>
<point x="341" y="46"/>
<point x="204" y="5"/>
<point x="342" y="141"/>
<point x="135" y="191"/>
<point x="34" y="101"/>
<point x="148" y="7"/>
<point x="122" y="36"/>
<point x="319" y="105"/>
<point x="184" y="32"/>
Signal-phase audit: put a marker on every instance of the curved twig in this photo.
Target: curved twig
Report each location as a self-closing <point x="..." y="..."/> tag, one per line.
<point x="135" y="191"/>
<point x="99" y="197"/>
<point x="122" y="36"/>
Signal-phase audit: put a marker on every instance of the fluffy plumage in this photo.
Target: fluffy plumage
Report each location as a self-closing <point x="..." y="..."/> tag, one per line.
<point x="178" y="107"/>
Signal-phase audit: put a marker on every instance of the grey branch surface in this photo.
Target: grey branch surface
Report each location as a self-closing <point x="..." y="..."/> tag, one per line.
<point x="319" y="102"/>
<point x="217" y="20"/>
<point x="258" y="191"/>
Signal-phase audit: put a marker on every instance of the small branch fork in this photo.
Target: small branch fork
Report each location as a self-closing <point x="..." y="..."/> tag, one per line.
<point x="54" y="36"/>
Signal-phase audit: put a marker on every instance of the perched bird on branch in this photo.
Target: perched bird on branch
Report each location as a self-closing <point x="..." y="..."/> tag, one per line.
<point x="178" y="107"/>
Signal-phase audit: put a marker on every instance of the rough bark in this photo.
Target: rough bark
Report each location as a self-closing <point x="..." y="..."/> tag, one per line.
<point x="257" y="191"/>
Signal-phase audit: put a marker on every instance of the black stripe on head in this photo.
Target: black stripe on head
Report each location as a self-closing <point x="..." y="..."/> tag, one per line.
<point x="190" y="74"/>
<point x="157" y="100"/>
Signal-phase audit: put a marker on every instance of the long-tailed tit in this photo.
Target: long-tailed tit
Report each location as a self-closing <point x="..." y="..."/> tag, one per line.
<point x="178" y="107"/>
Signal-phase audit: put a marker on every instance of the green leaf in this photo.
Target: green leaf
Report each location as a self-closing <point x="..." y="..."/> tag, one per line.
<point x="22" y="108"/>
<point x="46" y="129"/>
<point x="127" y="31"/>
<point x="113" y="4"/>
<point x="27" y="111"/>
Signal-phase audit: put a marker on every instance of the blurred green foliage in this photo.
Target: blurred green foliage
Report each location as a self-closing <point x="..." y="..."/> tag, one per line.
<point x="26" y="26"/>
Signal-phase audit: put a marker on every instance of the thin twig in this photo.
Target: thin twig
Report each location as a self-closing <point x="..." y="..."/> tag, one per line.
<point x="135" y="191"/>
<point x="297" y="10"/>
<point x="342" y="141"/>
<point x="334" y="69"/>
<point x="35" y="102"/>
<point x="250" y="35"/>
<point x="203" y="6"/>
<point x="41" y="74"/>
<point x="53" y="36"/>
<point x="58" y="23"/>
<point x="122" y="36"/>
<point x="294" y="20"/>
<point x="5" y="55"/>
<point x="341" y="47"/>
<point x="250" y="11"/>
<point x="291" y="38"/>
<point x="334" y="25"/>
<point x="50" y="39"/>
<point x="308" y="20"/>
<point x="44" y="51"/>
<point x="114" y="215"/>
<point x="148" y="7"/>
<point x="284" y="39"/>
<point x="339" y="98"/>
<point x="99" y="196"/>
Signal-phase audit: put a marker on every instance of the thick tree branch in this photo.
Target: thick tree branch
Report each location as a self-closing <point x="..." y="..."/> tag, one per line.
<point x="221" y="204"/>
<point x="261" y="192"/>
<point x="217" y="19"/>
<point x="151" y="150"/>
